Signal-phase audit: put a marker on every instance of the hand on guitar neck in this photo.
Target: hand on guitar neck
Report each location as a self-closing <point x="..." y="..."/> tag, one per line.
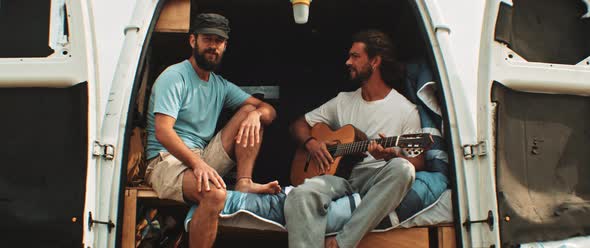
<point x="378" y="152"/>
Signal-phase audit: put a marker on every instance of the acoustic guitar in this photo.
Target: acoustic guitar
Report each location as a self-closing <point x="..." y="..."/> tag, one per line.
<point x="349" y="149"/>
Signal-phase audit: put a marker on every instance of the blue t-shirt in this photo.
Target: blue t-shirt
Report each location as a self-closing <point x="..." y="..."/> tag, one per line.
<point x="195" y="104"/>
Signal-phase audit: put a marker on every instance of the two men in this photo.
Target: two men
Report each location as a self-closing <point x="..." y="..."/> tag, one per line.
<point x="383" y="177"/>
<point x="185" y="158"/>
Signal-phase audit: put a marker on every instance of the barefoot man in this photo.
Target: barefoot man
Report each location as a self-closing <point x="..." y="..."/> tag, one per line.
<point x="185" y="156"/>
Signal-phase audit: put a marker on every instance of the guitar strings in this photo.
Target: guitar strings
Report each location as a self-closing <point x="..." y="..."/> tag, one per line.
<point x="359" y="144"/>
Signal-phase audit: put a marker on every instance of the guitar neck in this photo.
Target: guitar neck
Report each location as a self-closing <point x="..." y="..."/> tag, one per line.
<point x="362" y="146"/>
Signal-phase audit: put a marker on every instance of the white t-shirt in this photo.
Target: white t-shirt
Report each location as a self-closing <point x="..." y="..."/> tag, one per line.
<point x="393" y="115"/>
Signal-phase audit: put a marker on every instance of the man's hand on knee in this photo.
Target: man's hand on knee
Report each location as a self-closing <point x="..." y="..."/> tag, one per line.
<point x="204" y="173"/>
<point x="249" y="132"/>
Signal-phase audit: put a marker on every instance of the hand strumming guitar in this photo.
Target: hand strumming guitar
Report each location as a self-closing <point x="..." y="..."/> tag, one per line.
<point x="319" y="152"/>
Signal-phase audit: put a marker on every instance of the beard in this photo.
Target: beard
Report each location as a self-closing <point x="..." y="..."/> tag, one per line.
<point x="360" y="75"/>
<point x="203" y="62"/>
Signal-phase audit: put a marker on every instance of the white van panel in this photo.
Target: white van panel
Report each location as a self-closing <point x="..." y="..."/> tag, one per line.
<point x="65" y="79"/>
<point x="71" y="62"/>
<point x="509" y="119"/>
<point x="116" y="119"/>
<point x="462" y="132"/>
<point x="518" y="74"/>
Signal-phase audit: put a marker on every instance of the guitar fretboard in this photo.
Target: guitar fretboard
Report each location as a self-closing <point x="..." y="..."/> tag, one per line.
<point x="362" y="146"/>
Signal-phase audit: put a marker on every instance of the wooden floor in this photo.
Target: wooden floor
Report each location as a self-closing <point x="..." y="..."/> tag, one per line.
<point x="399" y="238"/>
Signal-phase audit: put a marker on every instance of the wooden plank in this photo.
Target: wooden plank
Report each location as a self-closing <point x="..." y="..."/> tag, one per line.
<point x="400" y="238"/>
<point x="446" y="237"/>
<point x="129" y="218"/>
<point x="146" y="193"/>
<point x="175" y="17"/>
<point x="148" y="196"/>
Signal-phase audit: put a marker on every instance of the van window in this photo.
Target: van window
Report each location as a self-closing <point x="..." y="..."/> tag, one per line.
<point x="545" y="30"/>
<point x="24" y="25"/>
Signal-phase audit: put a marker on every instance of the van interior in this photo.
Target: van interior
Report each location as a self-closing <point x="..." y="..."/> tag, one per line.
<point x="305" y="63"/>
<point x="301" y="65"/>
<point x="542" y="194"/>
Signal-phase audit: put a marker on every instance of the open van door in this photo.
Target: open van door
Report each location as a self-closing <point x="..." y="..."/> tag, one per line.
<point x="117" y="127"/>
<point x="533" y="110"/>
<point x="49" y="97"/>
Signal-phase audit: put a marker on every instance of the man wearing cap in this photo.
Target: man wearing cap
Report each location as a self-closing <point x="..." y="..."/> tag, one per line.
<point x="185" y="157"/>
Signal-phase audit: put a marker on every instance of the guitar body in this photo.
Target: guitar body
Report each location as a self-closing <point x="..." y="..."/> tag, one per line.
<point x="322" y="132"/>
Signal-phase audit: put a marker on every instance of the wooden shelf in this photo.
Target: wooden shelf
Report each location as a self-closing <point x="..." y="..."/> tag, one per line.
<point x="145" y="192"/>
<point x="175" y="17"/>
<point x="132" y="195"/>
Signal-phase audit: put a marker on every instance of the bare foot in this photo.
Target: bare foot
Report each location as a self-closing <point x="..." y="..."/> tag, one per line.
<point x="248" y="186"/>
<point x="331" y="242"/>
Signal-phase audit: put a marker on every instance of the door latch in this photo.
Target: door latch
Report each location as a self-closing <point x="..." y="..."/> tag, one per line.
<point x="110" y="224"/>
<point x="106" y="151"/>
<point x="471" y="151"/>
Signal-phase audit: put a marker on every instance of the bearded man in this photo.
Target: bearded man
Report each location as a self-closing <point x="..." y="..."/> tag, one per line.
<point x="384" y="177"/>
<point x="186" y="159"/>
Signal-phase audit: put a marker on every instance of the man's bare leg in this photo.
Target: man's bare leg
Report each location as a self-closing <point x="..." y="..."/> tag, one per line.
<point x="203" y="225"/>
<point x="245" y="156"/>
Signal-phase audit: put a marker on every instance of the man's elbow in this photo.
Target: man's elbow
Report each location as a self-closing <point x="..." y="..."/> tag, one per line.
<point x="297" y="125"/>
<point x="270" y="116"/>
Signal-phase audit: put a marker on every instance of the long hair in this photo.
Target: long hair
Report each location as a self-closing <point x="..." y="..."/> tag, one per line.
<point x="378" y="43"/>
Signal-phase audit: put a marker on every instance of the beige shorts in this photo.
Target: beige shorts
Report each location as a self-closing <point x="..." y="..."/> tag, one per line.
<point x="164" y="172"/>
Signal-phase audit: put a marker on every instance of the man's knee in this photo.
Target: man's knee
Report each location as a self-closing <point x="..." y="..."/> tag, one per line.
<point x="305" y="197"/>
<point x="246" y="108"/>
<point x="214" y="199"/>
<point x="400" y="167"/>
<point x="295" y="196"/>
<point x="294" y="204"/>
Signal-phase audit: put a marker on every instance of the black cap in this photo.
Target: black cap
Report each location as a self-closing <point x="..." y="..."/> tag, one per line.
<point x="210" y="23"/>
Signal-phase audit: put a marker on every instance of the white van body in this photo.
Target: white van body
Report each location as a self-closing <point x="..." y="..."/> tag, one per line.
<point x="439" y="33"/>
<point x="467" y="57"/>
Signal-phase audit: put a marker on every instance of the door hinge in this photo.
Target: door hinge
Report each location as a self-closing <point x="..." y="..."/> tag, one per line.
<point x="110" y="224"/>
<point x="471" y="151"/>
<point x="490" y="221"/>
<point x="103" y="150"/>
